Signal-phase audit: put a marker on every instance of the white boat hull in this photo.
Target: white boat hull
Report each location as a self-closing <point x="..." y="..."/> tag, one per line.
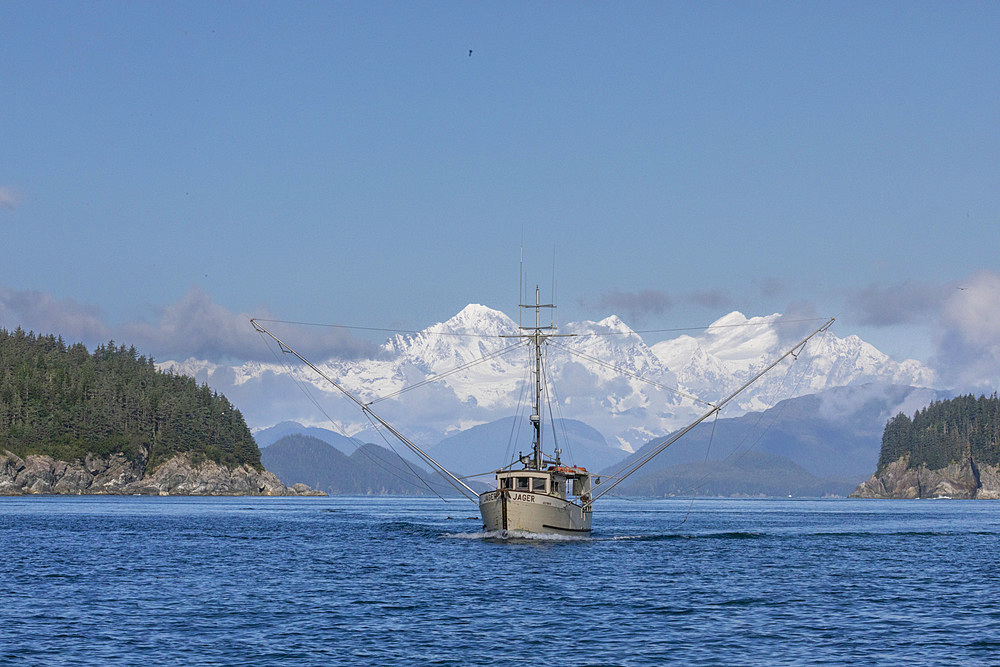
<point x="506" y="510"/>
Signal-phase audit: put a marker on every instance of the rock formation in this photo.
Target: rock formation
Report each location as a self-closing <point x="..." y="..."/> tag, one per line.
<point x="116" y="475"/>
<point x="964" y="479"/>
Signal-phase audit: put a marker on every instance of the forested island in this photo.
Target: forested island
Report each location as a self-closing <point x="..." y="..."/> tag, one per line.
<point x="72" y="421"/>
<point x="949" y="449"/>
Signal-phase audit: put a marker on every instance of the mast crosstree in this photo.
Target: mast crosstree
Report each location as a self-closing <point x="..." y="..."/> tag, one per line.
<point x="537" y="336"/>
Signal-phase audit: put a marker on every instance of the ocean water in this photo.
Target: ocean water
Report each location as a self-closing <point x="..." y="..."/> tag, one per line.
<point x="398" y="581"/>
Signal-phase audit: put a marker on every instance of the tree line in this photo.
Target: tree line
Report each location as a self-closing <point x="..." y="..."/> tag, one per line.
<point x="63" y="401"/>
<point x="945" y="432"/>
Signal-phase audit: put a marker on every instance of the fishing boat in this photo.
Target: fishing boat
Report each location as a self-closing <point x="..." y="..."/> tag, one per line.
<point x="538" y="493"/>
<point x="543" y="495"/>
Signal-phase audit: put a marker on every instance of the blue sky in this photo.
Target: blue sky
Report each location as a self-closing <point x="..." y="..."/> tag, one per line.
<point x="168" y="168"/>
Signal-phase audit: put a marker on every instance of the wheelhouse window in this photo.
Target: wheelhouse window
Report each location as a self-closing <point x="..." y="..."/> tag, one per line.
<point x="523" y="483"/>
<point x="506" y="482"/>
<point x="538" y="484"/>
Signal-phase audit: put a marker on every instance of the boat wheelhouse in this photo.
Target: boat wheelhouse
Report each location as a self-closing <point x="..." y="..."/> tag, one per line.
<point x="551" y="501"/>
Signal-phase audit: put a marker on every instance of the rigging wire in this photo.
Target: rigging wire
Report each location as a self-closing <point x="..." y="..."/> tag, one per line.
<point x="548" y="402"/>
<point x="708" y="450"/>
<point x="693" y="488"/>
<point x="393" y="449"/>
<point x="480" y="474"/>
<point x="441" y="376"/>
<point x="773" y="420"/>
<point x="413" y="332"/>
<point x="355" y="327"/>
<point x="632" y="467"/>
<point x="518" y="417"/>
<point x="358" y="446"/>
<point x="636" y="376"/>
<point x="557" y="413"/>
<point x="760" y="416"/>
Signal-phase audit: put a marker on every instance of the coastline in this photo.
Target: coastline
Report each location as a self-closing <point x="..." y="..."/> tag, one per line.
<point x="115" y="475"/>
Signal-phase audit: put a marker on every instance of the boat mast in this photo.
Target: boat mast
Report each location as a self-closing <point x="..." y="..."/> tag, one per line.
<point x="537" y="338"/>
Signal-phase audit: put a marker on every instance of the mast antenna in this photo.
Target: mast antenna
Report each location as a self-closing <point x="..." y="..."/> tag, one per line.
<point x="553" y="311"/>
<point x="520" y="282"/>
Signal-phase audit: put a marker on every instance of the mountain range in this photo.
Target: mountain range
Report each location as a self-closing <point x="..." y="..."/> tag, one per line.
<point x="603" y="374"/>
<point x="819" y="444"/>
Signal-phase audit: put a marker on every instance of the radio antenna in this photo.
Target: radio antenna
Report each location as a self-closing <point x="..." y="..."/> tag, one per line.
<point x="553" y="285"/>
<point x="520" y="282"/>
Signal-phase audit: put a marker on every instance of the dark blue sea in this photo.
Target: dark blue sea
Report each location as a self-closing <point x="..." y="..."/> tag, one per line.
<point x="401" y="581"/>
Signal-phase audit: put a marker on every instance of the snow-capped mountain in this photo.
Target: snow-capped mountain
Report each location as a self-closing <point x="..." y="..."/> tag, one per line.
<point x="735" y="347"/>
<point x="600" y="373"/>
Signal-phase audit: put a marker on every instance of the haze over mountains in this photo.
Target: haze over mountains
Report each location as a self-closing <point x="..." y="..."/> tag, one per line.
<point x="813" y="445"/>
<point x="603" y="374"/>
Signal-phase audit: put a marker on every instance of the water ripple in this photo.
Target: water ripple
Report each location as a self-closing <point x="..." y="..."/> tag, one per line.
<point x="163" y="581"/>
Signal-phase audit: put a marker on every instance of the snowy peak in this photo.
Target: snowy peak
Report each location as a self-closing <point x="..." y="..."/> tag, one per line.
<point x="477" y="319"/>
<point x="735" y="318"/>
<point x="614" y="323"/>
<point x="469" y="335"/>
<point x="736" y="347"/>
<point x="613" y="381"/>
<point x="741" y="340"/>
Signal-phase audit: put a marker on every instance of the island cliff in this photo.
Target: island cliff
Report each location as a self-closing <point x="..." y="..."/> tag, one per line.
<point x="72" y="422"/>
<point x="117" y="475"/>
<point x="949" y="449"/>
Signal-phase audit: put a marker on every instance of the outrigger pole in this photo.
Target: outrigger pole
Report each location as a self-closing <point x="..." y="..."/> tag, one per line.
<point x="621" y="475"/>
<point x="464" y="489"/>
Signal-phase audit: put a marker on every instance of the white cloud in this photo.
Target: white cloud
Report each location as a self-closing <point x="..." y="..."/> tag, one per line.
<point x="195" y="327"/>
<point x="9" y="198"/>
<point x="968" y="340"/>
<point x="198" y="327"/>
<point x="39" y="312"/>
<point x="964" y="317"/>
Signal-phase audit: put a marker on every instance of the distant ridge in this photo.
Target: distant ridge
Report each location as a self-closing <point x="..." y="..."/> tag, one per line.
<point x="821" y="444"/>
<point x="268" y="436"/>
<point x="745" y="474"/>
<point x="831" y="437"/>
<point x="370" y="470"/>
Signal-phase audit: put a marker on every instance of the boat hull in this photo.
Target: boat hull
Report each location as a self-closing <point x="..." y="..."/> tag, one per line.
<point x="505" y="510"/>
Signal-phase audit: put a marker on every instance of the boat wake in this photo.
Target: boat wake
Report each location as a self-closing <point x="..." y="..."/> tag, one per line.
<point x="514" y="536"/>
<point x="660" y="537"/>
<point x="517" y="536"/>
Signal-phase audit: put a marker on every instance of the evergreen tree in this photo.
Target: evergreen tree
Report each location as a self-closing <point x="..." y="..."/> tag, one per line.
<point x="66" y="402"/>
<point x="945" y="432"/>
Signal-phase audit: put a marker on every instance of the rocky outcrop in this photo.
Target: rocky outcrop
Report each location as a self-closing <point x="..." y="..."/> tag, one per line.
<point x="989" y="483"/>
<point x="963" y="479"/>
<point x="116" y="475"/>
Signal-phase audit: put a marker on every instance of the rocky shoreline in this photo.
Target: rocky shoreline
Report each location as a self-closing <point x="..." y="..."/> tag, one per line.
<point x="116" y="475"/>
<point x="961" y="480"/>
